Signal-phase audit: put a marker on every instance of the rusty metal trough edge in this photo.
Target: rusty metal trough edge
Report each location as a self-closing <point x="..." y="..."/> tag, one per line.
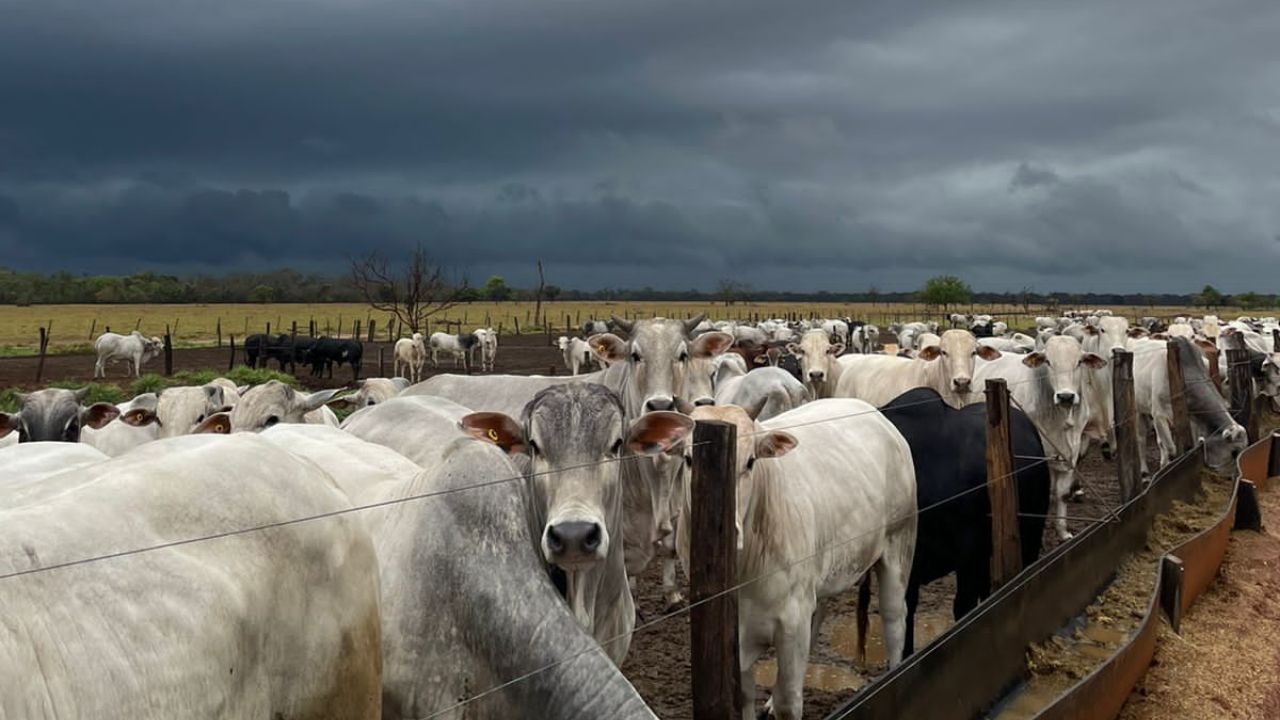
<point x="943" y="681"/>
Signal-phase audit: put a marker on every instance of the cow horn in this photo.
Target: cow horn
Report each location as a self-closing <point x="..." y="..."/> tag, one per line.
<point x="623" y="325"/>
<point x="693" y="322"/>
<point x="757" y="407"/>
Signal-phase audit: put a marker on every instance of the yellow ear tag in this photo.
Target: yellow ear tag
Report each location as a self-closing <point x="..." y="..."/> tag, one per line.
<point x="600" y="348"/>
<point x="493" y="435"/>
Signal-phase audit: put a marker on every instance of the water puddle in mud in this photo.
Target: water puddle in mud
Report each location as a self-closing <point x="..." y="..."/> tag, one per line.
<point x="844" y="641"/>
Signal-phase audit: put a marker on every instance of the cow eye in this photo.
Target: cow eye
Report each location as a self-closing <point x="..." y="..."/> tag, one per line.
<point x="271" y="420"/>
<point x="617" y="447"/>
<point x="635" y="357"/>
<point x="533" y="447"/>
<point x="200" y="418"/>
<point x="751" y="463"/>
<point x="684" y="356"/>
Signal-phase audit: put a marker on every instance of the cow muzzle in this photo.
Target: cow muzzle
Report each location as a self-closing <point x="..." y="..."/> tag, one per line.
<point x="574" y="544"/>
<point x="961" y="384"/>
<point x="659" y="403"/>
<point x="703" y="401"/>
<point x="817" y="375"/>
<point x="1066" y="398"/>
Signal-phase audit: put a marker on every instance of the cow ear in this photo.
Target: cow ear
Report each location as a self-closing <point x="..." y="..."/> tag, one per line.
<point x="775" y="444"/>
<point x="217" y="424"/>
<point x="242" y="389"/>
<point x="794" y="349"/>
<point x="711" y="344"/>
<point x="1206" y="346"/>
<point x="988" y="353"/>
<point x="8" y="423"/>
<point x="930" y="353"/>
<point x="81" y="394"/>
<point x="98" y="415"/>
<point x="318" y="398"/>
<point x="761" y="359"/>
<point x="835" y="349"/>
<point x="1033" y="360"/>
<point x="658" y="432"/>
<point x="497" y="428"/>
<point x="1093" y="361"/>
<point x="608" y="347"/>
<point x="753" y="411"/>
<point x="139" y="417"/>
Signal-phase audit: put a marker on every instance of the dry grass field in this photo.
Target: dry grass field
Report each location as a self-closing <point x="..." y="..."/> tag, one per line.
<point x="73" y="327"/>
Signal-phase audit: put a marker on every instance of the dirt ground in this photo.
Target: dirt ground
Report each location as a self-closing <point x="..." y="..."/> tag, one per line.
<point x="1226" y="662"/>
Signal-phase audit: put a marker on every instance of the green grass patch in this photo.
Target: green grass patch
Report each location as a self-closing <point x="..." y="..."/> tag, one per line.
<point x="98" y="392"/>
<point x="245" y="375"/>
<point x="149" y="383"/>
<point x="9" y="400"/>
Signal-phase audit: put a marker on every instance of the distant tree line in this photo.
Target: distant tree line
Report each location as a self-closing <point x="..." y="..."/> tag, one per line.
<point x="291" y="286"/>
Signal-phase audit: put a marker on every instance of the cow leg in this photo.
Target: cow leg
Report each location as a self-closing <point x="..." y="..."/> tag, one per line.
<point x="1060" y="479"/>
<point x="671" y="589"/>
<point x="1164" y="438"/>
<point x="98" y="369"/>
<point x="893" y="572"/>
<point x="1144" y="426"/>
<point x="913" y="601"/>
<point x="792" y="642"/>
<point x="973" y="583"/>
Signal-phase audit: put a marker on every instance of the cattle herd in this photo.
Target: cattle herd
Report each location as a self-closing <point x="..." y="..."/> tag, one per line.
<point x="469" y="545"/>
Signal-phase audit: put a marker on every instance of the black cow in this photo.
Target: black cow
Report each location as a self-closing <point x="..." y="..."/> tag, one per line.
<point x="327" y="352"/>
<point x="948" y="447"/>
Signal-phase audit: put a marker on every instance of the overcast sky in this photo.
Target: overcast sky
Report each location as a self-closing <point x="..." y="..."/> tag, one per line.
<point x="1076" y="146"/>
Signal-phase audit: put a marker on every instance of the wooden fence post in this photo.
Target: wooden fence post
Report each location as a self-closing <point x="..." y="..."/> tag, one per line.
<point x="92" y="326"/>
<point x="517" y="321"/>
<point x="1240" y="377"/>
<point x="168" y="351"/>
<point x="1178" y="399"/>
<point x="713" y="617"/>
<point x="372" y="328"/>
<point x="1128" y="464"/>
<point x="232" y="364"/>
<point x="382" y="371"/>
<point x="1215" y="370"/>
<point x="44" y="347"/>
<point x="1002" y="488"/>
<point x="219" y="331"/>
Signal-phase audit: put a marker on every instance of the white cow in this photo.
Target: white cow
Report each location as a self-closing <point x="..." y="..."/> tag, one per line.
<point x="1015" y="343"/>
<point x="272" y="402"/>
<point x="135" y="349"/>
<point x="459" y="346"/>
<point x="947" y="367"/>
<point x="372" y="391"/>
<point x="826" y="493"/>
<point x="282" y="623"/>
<point x="819" y="366"/>
<point x="577" y="354"/>
<point x="136" y="425"/>
<point x="487" y="345"/>
<point x="410" y="357"/>
<point x="1210" y="420"/>
<point x="1051" y="387"/>
<point x="25" y="466"/>
<point x="775" y="390"/>
<point x="487" y="634"/>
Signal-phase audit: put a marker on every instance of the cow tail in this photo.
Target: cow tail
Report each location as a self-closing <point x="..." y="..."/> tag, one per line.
<point x="864" y="610"/>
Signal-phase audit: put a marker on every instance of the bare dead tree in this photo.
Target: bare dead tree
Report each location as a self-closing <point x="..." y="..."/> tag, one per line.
<point x="542" y="284"/>
<point x="413" y="294"/>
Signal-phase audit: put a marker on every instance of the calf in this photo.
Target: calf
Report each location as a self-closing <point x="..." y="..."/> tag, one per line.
<point x="410" y="355"/>
<point x="577" y="354"/>
<point x="459" y="346"/>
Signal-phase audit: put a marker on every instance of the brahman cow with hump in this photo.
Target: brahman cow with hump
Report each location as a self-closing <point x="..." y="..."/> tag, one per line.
<point x="820" y="366"/>
<point x="55" y="415"/>
<point x="947" y="367"/>
<point x="135" y="349"/>
<point x="571" y="438"/>
<point x="1051" y="387"/>
<point x="577" y="354"/>
<point x="826" y="493"/>
<point x="472" y="555"/>
<point x="281" y="623"/>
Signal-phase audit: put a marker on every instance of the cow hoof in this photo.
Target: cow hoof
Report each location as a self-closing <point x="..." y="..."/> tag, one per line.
<point x="1065" y="536"/>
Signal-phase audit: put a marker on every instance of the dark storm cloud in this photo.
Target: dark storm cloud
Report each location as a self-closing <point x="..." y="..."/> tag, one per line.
<point x="1070" y="146"/>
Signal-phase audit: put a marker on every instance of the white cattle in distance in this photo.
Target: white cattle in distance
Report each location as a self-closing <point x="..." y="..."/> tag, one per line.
<point x="577" y="353"/>
<point x="831" y="480"/>
<point x="410" y="357"/>
<point x="282" y="623"/>
<point x="135" y="349"/>
<point x="487" y="346"/>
